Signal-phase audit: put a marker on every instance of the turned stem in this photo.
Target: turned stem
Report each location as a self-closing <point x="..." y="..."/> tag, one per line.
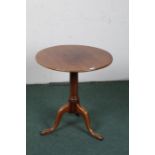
<point x="73" y="98"/>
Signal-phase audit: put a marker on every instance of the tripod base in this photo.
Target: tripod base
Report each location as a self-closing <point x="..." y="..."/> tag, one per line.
<point x="78" y="110"/>
<point x="73" y="106"/>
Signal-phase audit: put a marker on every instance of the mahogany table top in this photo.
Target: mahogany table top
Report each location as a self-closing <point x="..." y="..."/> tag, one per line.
<point x="74" y="58"/>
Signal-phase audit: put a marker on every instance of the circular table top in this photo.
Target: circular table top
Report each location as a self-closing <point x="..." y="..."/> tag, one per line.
<point x="73" y="58"/>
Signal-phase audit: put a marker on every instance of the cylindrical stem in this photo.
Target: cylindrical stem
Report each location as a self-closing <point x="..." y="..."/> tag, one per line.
<point x="73" y="99"/>
<point x="74" y="85"/>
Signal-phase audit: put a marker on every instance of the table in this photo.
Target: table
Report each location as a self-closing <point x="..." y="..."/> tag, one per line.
<point x="73" y="59"/>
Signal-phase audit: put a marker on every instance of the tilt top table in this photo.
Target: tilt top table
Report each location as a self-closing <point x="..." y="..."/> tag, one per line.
<point x="73" y="59"/>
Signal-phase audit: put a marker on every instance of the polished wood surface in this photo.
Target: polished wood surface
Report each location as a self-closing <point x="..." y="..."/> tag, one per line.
<point x="74" y="58"/>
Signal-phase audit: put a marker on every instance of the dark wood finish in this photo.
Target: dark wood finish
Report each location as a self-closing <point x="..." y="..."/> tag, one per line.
<point x="60" y="113"/>
<point x="74" y="58"/>
<point x="73" y="98"/>
<point x="68" y="58"/>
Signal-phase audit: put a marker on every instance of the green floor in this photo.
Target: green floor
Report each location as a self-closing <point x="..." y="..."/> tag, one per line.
<point x="107" y="103"/>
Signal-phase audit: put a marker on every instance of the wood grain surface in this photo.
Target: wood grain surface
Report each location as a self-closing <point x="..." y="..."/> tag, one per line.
<point x="74" y="58"/>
